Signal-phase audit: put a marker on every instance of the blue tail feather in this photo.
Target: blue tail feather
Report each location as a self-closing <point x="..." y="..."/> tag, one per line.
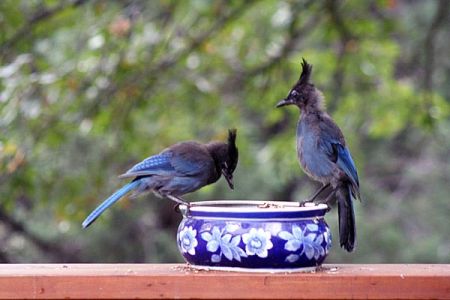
<point x="110" y="201"/>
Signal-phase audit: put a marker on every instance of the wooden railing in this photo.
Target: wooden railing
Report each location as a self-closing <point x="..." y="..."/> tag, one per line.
<point x="126" y="281"/>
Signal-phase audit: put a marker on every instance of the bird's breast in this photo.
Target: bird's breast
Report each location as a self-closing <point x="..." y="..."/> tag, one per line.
<point x="312" y="159"/>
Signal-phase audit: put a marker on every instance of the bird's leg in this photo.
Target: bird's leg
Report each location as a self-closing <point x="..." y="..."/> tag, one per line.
<point x="317" y="193"/>
<point x="178" y="200"/>
<point x="328" y="199"/>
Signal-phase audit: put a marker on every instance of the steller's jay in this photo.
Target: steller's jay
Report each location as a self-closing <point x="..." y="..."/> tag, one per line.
<point x="323" y="154"/>
<point x="180" y="169"/>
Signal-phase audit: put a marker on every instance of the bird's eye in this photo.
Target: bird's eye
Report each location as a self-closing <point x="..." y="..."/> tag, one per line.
<point x="294" y="93"/>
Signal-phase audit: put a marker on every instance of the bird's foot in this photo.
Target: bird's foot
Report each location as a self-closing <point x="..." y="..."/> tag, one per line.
<point x="179" y="201"/>
<point x="314" y="196"/>
<point x="306" y="202"/>
<point x="309" y="202"/>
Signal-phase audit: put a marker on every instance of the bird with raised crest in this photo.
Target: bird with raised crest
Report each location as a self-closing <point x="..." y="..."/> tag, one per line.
<point x="179" y="169"/>
<point x="324" y="155"/>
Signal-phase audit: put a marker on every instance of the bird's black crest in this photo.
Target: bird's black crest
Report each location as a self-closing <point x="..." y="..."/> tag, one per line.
<point x="232" y="136"/>
<point x="233" y="153"/>
<point x="306" y="73"/>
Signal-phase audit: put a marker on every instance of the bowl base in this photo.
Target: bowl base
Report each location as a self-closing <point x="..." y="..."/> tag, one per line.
<point x="254" y="270"/>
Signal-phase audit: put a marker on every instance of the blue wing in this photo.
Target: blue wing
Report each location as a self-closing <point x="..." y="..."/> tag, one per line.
<point x="345" y="162"/>
<point x="191" y="159"/>
<point x="182" y="159"/>
<point x="154" y="165"/>
<point x="332" y="142"/>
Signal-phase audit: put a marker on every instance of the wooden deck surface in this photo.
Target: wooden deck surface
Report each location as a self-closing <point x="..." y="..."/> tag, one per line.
<point x="150" y="281"/>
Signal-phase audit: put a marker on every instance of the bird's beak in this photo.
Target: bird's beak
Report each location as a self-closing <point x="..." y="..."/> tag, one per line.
<point x="228" y="178"/>
<point x="285" y="102"/>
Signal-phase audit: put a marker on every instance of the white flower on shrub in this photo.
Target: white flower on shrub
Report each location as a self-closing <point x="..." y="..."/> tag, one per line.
<point x="257" y="242"/>
<point x="187" y="240"/>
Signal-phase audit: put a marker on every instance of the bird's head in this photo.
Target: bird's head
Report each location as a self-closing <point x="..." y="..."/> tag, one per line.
<point x="226" y="156"/>
<point x="303" y="93"/>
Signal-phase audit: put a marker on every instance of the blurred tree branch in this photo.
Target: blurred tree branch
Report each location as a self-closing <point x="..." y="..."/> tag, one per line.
<point x="48" y="248"/>
<point x="442" y="12"/>
<point x="295" y="32"/>
<point x="37" y="17"/>
<point x="345" y="37"/>
<point x="195" y="42"/>
<point x="165" y="15"/>
<point x="151" y="74"/>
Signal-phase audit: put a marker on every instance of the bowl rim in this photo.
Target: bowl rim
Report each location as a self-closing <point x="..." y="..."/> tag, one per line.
<point x="251" y="206"/>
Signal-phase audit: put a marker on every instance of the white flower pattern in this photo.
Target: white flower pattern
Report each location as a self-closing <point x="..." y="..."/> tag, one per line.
<point x="309" y="239"/>
<point x="232" y="243"/>
<point x="187" y="240"/>
<point x="228" y="245"/>
<point x="257" y="242"/>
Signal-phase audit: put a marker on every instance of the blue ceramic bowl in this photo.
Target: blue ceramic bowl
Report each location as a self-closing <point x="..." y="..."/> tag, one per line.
<point x="254" y="236"/>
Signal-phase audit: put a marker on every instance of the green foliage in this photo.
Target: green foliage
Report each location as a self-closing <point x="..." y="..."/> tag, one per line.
<point x="89" y="88"/>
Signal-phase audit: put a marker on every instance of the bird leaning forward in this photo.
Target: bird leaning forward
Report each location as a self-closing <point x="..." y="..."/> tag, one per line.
<point x="179" y="169"/>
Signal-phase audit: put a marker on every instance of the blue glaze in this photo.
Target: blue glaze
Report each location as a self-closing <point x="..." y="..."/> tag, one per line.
<point x="279" y="238"/>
